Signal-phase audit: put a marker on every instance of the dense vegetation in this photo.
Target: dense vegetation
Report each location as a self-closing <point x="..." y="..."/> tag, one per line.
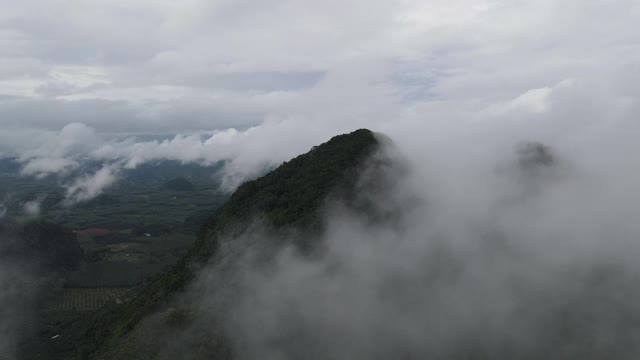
<point x="290" y="196"/>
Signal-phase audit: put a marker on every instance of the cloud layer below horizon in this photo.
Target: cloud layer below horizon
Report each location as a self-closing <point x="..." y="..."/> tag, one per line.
<point x="256" y="84"/>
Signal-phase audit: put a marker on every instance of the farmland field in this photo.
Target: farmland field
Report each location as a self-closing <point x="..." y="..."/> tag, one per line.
<point x="136" y="228"/>
<point x="87" y="299"/>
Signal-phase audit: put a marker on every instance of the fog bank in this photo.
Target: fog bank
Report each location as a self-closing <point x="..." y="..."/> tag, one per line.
<point x="526" y="253"/>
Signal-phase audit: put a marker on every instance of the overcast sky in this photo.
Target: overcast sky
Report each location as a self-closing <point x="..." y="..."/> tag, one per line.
<point x="269" y="79"/>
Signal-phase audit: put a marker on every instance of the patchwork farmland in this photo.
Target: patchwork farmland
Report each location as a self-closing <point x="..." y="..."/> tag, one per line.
<point x="87" y="299"/>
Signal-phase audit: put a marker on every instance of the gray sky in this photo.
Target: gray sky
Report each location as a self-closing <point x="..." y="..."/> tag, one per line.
<point x="270" y="79"/>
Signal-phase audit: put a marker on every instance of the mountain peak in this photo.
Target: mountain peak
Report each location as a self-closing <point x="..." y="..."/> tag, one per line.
<point x="281" y="196"/>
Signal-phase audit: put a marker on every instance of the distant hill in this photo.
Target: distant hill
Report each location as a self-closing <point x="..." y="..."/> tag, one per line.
<point x="291" y="196"/>
<point x="179" y="184"/>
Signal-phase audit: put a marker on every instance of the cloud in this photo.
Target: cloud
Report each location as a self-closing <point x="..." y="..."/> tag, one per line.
<point x="533" y="101"/>
<point x="505" y="253"/>
<point x="32" y="207"/>
<point x="289" y="76"/>
<point x="91" y="185"/>
<point x="242" y="150"/>
<point x="176" y="79"/>
<point x="58" y="153"/>
<point x="41" y="167"/>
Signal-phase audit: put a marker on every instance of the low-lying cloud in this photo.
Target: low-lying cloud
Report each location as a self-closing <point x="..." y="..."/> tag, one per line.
<point x="89" y="186"/>
<point x="64" y="153"/>
<point x="33" y="207"/>
<point x="529" y="254"/>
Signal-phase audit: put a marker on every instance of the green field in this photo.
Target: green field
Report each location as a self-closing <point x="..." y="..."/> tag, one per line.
<point x="149" y="224"/>
<point x="87" y="299"/>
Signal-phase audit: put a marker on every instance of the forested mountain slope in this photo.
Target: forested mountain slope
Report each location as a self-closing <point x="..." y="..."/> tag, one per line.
<point x="291" y="196"/>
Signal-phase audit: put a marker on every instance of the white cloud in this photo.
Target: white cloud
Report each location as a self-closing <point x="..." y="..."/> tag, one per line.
<point x="91" y="185"/>
<point x="59" y="152"/>
<point x="42" y="167"/>
<point x="32" y="207"/>
<point x="22" y="86"/>
<point x="537" y="100"/>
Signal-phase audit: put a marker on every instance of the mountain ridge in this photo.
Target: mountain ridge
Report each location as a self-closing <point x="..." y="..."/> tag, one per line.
<point x="290" y="196"/>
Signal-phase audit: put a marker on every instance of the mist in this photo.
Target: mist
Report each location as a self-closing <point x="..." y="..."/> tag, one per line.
<point x="500" y="248"/>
